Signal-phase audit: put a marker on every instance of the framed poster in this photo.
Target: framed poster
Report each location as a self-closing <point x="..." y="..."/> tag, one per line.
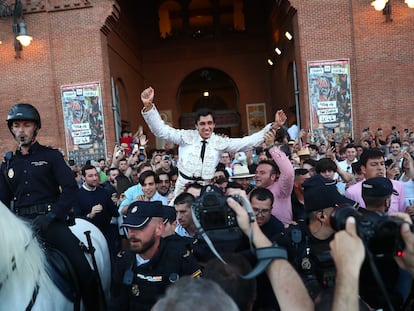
<point x="256" y="117"/>
<point x="83" y="121"/>
<point x="330" y="96"/>
<point x="166" y="116"/>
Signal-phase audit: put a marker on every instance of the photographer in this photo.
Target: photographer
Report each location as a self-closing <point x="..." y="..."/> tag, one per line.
<point x="308" y="243"/>
<point x="348" y="267"/>
<point x="376" y="193"/>
<point x="286" y="283"/>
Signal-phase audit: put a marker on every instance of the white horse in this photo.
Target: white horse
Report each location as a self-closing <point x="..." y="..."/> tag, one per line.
<point x="24" y="283"/>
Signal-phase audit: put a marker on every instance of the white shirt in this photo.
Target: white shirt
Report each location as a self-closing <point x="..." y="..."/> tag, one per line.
<point x="189" y="142"/>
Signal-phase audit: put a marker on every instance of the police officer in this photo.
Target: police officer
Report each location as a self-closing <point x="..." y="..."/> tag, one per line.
<point x="143" y="273"/>
<point x="36" y="184"/>
<point x="308" y="243"/>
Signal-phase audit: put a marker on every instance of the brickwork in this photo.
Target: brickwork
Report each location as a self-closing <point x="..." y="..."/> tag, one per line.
<point x="380" y="53"/>
<point x="77" y="41"/>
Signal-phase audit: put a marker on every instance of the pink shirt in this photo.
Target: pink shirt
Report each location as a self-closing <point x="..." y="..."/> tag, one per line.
<point x="282" y="188"/>
<point x="354" y="192"/>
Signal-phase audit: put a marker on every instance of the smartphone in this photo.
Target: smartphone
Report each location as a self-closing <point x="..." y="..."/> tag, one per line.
<point x="71" y="162"/>
<point x="333" y="144"/>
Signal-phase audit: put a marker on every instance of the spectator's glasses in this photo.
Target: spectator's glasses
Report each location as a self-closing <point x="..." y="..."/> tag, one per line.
<point x="264" y="212"/>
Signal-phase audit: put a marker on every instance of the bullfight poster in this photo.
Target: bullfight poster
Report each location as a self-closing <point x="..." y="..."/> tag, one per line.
<point x="84" y="122"/>
<point x="330" y="99"/>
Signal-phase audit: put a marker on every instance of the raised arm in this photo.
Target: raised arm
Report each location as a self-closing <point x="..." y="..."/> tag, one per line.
<point x="347" y="242"/>
<point x="147" y="96"/>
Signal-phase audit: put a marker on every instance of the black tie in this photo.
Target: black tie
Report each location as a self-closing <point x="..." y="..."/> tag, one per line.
<point x="203" y="150"/>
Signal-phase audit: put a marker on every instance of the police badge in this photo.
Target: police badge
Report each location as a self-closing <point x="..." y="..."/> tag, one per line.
<point x="306" y="264"/>
<point x="135" y="290"/>
<point x="10" y="173"/>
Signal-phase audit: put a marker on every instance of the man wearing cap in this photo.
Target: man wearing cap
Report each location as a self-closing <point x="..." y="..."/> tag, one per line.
<point x="377" y="193"/>
<point x="152" y="263"/>
<point x="242" y="175"/>
<point x="308" y="243"/>
<point x="373" y="165"/>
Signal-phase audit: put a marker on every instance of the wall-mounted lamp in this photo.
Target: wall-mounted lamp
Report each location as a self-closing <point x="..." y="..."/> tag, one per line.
<point x="288" y="35"/>
<point x="386" y="8"/>
<point x="19" y="25"/>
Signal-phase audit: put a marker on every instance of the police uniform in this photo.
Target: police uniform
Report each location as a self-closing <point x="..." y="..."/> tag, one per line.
<point x="138" y="287"/>
<point x="310" y="257"/>
<point x="38" y="184"/>
<point x="32" y="183"/>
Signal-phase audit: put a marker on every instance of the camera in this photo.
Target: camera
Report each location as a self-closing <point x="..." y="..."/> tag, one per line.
<point x="380" y="232"/>
<point x="215" y="216"/>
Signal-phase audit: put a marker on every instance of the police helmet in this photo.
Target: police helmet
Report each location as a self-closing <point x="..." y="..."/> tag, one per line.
<point x="23" y="111"/>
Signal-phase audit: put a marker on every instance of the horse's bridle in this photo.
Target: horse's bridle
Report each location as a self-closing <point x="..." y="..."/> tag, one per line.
<point x="35" y="289"/>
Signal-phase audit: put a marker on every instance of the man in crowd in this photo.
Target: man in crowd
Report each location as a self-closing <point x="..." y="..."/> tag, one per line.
<point x="261" y="200"/>
<point x="373" y="165"/>
<point x="376" y="193"/>
<point x="298" y="195"/>
<point x="96" y="205"/>
<point x="308" y="243"/>
<point x="199" y="149"/>
<point x="163" y="187"/>
<point x="134" y="191"/>
<point x="242" y="175"/>
<point x="345" y="166"/>
<point x="143" y="273"/>
<point x="182" y="205"/>
<point x="277" y="175"/>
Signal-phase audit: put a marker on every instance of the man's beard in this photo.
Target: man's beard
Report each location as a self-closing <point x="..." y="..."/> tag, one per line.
<point x="145" y="246"/>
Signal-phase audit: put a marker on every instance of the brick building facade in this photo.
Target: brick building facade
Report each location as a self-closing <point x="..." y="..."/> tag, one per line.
<point x="118" y="44"/>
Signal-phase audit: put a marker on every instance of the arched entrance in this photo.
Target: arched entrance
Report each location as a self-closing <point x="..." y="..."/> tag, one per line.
<point x="214" y="89"/>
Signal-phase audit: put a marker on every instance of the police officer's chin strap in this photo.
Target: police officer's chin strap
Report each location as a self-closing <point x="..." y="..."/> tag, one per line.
<point x="264" y="255"/>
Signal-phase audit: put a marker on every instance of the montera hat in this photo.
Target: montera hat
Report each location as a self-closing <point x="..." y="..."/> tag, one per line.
<point x="321" y="193"/>
<point x="378" y="187"/>
<point x="139" y="213"/>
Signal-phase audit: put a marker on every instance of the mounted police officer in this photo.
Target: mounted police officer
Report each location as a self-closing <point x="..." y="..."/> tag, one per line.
<point x="308" y="243"/>
<point x="36" y="184"/>
<point x="143" y="273"/>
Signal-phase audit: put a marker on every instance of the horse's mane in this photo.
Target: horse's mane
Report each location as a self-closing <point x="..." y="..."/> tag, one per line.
<point x="22" y="257"/>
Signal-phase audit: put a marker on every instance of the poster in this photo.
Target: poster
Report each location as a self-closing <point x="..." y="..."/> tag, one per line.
<point x="166" y="116"/>
<point x="84" y="122"/>
<point x="330" y="99"/>
<point x="256" y="117"/>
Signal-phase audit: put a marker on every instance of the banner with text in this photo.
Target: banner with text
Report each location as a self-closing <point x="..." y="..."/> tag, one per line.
<point x="330" y="98"/>
<point x="84" y="122"/>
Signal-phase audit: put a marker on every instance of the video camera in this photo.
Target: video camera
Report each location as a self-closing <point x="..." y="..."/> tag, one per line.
<point x="215" y="216"/>
<point x="380" y="232"/>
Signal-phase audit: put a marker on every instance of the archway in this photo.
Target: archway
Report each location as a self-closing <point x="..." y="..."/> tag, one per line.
<point x="214" y="89"/>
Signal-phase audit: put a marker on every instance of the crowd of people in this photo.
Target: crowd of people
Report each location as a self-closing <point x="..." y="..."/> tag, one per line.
<point x="340" y="208"/>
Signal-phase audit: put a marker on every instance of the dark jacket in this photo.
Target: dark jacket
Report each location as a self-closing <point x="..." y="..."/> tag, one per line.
<point x="139" y="287"/>
<point x="40" y="177"/>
